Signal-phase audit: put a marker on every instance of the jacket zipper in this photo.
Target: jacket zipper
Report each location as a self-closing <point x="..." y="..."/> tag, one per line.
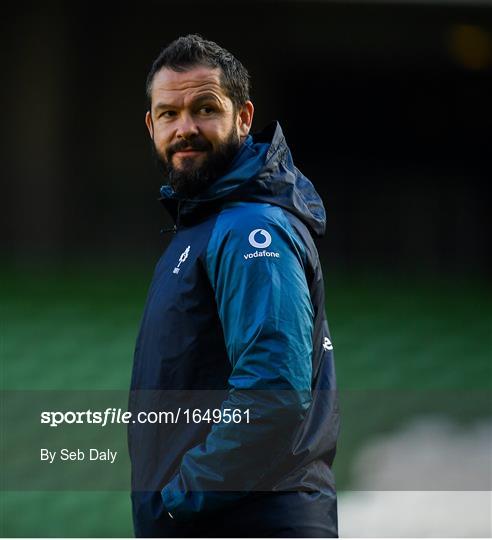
<point x="178" y="215"/>
<point x="174" y="228"/>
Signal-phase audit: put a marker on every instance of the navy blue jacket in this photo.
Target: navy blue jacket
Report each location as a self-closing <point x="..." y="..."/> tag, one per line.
<point x="235" y="323"/>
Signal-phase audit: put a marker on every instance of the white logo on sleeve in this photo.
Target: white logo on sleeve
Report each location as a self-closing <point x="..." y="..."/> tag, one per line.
<point x="260" y="245"/>
<point x="266" y="240"/>
<point x="182" y="259"/>
<point x="327" y="345"/>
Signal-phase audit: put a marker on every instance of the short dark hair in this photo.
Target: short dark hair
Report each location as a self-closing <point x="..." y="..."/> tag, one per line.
<point x="193" y="50"/>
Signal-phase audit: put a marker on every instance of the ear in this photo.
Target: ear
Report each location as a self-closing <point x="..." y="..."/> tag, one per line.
<point x="245" y="119"/>
<point x="149" y="124"/>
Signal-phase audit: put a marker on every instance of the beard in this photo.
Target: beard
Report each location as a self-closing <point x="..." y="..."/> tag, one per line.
<point x="196" y="175"/>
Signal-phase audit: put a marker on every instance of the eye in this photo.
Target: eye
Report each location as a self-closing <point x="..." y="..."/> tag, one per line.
<point x="167" y="114"/>
<point x="207" y="110"/>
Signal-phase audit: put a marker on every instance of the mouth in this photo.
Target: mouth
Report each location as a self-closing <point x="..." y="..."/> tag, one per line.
<point x="188" y="153"/>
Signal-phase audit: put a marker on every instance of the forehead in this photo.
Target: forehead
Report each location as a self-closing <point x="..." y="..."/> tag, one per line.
<point x="194" y="81"/>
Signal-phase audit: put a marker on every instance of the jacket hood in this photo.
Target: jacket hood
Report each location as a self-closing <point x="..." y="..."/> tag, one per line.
<point x="262" y="171"/>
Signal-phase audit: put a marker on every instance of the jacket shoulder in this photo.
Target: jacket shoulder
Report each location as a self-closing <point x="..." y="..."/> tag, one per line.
<point x="243" y="221"/>
<point x="244" y="230"/>
<point x="234" y="215"/>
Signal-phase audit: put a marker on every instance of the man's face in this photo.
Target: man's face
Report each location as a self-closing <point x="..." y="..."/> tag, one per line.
<point x="194" y="128"/>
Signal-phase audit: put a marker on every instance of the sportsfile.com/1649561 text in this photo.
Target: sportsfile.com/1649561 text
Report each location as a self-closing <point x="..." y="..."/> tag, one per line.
<point x="112" y="415"/>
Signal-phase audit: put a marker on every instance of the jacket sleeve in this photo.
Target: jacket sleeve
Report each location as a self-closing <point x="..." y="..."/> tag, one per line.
<point x="255" y="264"/>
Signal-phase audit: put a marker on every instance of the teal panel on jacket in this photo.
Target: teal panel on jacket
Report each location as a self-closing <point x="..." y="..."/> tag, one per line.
<point x="256" y="267"/>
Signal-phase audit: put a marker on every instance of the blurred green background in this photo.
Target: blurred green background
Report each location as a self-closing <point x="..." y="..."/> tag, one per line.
<point x="404" y="348"/>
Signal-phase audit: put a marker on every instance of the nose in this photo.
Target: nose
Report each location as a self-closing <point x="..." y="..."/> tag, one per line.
<point x="187" y="127"/>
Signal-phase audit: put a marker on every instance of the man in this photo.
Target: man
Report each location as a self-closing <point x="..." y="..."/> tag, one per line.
<point x="234" y="325"/>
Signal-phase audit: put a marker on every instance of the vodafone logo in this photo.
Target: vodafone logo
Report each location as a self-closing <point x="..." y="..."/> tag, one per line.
<point x="260" y="239"/>
<point x="256" y="234"/>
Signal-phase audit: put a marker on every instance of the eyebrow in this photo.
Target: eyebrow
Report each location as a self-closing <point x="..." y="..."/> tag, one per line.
<point x="205" y="97"/>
